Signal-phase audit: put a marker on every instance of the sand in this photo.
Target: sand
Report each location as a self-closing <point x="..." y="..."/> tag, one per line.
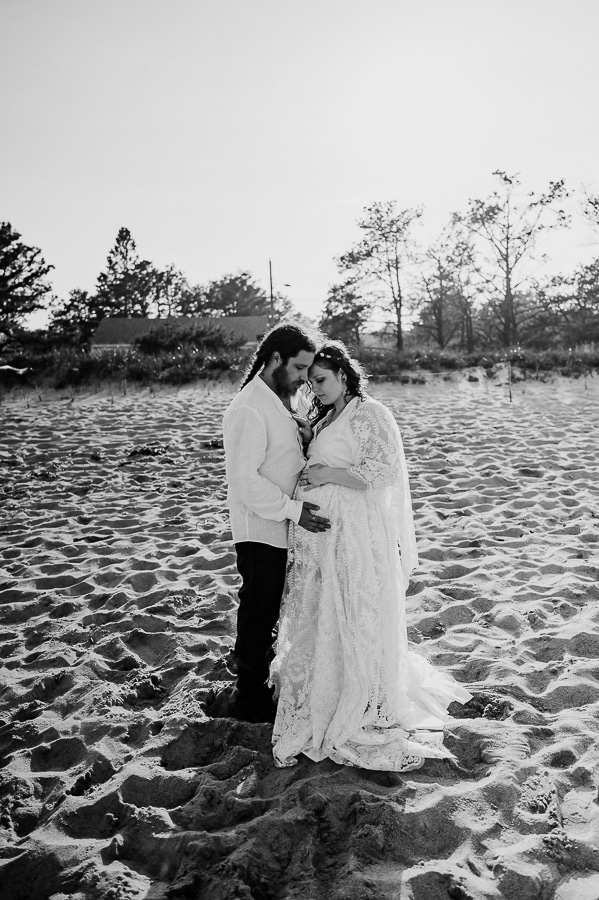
<point x="117" y="614"/>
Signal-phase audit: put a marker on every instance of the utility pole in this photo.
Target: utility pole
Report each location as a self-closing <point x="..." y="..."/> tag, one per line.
<point x="272" y="296"/>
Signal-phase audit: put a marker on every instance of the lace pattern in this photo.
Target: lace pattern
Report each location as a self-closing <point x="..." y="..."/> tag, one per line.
<point x="347" y="686"/>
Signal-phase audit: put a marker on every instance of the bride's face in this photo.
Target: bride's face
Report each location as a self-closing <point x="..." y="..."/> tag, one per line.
<point x="326" y="384"/>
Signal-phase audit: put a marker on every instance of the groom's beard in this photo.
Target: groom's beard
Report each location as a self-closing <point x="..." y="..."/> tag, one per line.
<point x="283" y="384"/>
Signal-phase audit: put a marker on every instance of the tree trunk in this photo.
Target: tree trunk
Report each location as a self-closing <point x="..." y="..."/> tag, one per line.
<point x="440" y="330"/>
<point x="469" y="332"/>
<point x="466" y="329"/>
<point x="398" y="303"/>
<point x="399" y="339"/>
<point x="510" y="327"/>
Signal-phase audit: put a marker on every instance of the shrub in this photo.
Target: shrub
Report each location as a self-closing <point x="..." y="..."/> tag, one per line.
<point x="69" y="366"/>
<point x="388" y="364"/>
<point x="202" y="337"/>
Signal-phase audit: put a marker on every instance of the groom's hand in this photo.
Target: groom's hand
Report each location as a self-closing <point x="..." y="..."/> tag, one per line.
<point x="304" y="428"/>
<point x="310" y="521"/>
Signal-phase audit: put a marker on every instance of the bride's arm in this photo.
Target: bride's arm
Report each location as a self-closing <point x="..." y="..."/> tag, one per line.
<point x="378" y="452"/>
<point x="318" y="474"/>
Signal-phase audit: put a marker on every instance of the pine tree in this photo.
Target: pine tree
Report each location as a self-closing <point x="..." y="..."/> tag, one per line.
<point x="75" y="319"/>
<point x="345" y="313"/>
<point x="23" y="288"/>
<point x="128" y="284"/>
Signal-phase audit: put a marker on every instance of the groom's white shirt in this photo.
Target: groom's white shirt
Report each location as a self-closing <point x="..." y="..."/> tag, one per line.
<point x="263" y="461"/>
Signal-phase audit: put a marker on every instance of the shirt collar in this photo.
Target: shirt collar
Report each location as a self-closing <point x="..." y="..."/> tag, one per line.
<point x="274" y="398"/>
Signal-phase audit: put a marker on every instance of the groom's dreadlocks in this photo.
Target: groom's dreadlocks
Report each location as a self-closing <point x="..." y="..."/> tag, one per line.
<point x="287" y="340"/>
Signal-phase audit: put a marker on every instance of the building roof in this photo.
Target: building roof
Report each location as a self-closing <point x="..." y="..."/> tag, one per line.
<point x="118" y="330"/>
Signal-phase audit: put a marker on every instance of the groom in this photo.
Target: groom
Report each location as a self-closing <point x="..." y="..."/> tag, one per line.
<point x="264" y="458"/>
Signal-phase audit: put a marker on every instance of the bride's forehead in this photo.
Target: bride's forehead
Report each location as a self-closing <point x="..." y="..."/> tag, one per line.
<point x="317" y="370"/>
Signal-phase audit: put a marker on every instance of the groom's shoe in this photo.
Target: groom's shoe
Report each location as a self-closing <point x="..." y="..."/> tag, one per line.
<point x="221" y="704"/>
<point x="227" y="704"/>
<point x="265" y="713"/>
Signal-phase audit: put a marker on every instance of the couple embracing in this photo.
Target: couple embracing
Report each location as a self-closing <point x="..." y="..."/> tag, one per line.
<point x="322" y="523"/>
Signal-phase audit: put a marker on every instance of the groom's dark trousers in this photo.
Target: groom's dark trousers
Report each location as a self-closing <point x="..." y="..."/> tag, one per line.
<point x="262" y="569"/>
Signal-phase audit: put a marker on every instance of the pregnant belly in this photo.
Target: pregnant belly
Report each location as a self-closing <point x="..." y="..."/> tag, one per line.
<point x="322" y="496"/>
<point x="337" y="504"/>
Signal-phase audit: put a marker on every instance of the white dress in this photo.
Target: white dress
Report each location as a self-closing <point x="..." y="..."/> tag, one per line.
<point x="348" y="688"/>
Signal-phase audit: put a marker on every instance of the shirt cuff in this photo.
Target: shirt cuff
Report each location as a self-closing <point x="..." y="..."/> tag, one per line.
<point x="295" y="510"/>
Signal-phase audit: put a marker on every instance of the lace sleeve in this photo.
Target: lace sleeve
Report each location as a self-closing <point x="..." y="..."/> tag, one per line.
<point x="378" y="462"/>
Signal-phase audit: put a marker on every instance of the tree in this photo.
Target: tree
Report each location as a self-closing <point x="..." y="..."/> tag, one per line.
<point x="23" y="288"/>
<point x="283" y="309"/>
<point x="231" y="295"/>
<point x="439" y="308"/>
<point x="590" y="209"/>
<point x="128" y="287"/>
<point x="345" y="313"/>
<point x="239" y="295"/>
<point x="168" y="286"/>
<point x="381" y="257"/>
<point x="76" y="318"/>
<point x="446" y="299"/>
<point x="504" y="228"/>
<point x="466" y="299"/>
<point x="573" y="302"/>
<point x="192" y="301"/>
<point x="236" y="295"/>
<point x="533" y="324"/>
<point x="128" y="284"/>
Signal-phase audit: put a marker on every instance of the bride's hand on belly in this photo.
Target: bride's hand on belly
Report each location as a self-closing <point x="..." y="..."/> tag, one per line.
<point x="314" y="476"/>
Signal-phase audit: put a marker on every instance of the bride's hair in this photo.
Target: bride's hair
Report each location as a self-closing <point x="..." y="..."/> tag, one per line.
<point x="335" y="356"/>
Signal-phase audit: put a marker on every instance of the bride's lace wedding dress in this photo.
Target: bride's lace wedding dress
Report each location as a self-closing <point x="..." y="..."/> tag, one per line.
<point x="348" y="688"/>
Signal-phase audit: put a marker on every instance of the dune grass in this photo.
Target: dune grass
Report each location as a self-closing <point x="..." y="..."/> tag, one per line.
<point x="61" y="367"/>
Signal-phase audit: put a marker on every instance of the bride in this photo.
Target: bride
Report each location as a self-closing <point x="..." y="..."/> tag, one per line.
<point x="347" y="686"/>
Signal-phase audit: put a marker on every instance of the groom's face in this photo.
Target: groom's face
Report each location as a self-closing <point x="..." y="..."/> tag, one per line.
<point x="290" y="376"/>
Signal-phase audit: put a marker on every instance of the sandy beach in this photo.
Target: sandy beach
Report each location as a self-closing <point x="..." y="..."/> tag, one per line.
<point x="117" y="614"/>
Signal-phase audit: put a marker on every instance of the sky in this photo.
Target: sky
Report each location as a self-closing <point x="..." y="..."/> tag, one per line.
<point x="227" y="133"/>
